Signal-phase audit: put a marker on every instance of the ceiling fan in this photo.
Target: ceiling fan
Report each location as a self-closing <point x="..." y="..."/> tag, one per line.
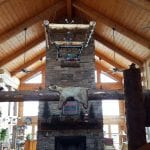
<point x="24" y="70"/>
<point x="115" y="69"/>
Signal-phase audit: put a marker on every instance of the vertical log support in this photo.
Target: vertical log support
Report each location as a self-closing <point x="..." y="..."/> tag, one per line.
<point x="134" y="103"/>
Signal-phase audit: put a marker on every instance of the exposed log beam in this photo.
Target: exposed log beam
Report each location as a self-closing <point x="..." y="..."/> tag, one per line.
<point x="31" y="87"/>
<point x="46" y="95"/>
<point x="111" y="23"/>
<point x="103" y="68"/>
<point x="38" y="57"/>
<point x="109" y="86"/>
<point x="40" y="68"/>
<point x="20" y="51"/>
<point x="41" y="16"/>
<point x="118" y="50"/>
<point x="69" y="8"/>
<point x="107" y="59"/>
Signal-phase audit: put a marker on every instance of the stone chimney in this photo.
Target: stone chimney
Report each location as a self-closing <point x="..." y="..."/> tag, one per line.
<point x="82" y="130"/>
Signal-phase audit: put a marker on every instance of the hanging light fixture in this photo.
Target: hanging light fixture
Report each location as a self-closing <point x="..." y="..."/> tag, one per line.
<point x="24" y="70"/>
<point x="114" y="69"/>
<point x="70" y="43"/>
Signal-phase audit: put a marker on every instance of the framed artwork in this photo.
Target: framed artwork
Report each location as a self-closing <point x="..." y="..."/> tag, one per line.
<point x="71" y="108"/>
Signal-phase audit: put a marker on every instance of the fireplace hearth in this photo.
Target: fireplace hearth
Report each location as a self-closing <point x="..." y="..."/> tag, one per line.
<point x="70" y="143"/>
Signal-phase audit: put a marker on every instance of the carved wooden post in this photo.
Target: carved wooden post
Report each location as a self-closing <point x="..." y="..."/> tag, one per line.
<point x="135" y="114"/>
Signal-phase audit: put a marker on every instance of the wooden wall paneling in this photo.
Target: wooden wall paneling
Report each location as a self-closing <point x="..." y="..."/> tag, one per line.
<point x="41" y="16"/>
<point x="30" y="145"/>
<point x="21" y="51"/>
<point x="109" y="22"/>
<point x="144" y="4"/>
<point x="69" y="9"/>
<point x="119" y="50"/>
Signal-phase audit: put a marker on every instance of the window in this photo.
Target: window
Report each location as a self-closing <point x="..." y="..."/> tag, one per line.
<point x="106" y="79"/>
<point x="30" y="108"/>
<point x="4" y="109"/>
<point x="148" y="134"/>
<point x="28" y="131"/>
<point x="95" y="76"/>
<point x="115" y="134"/>
<point x="106" y="130"/>
<point x="110" y="108"/>
<point x="35" y="79"/>
<point x="35" y="132"/>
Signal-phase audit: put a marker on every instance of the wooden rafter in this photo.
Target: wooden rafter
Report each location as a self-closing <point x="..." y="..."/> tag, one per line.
<point x="36" y="70"/>
<point x="111" y="23"/>
<point x="28" y="63"/>
<point x="41" y="16"/>
<point x="20" y="51"/>
<point x="69" y="8"/>
<point x="110" y="61"/>
<point x="119" y="50"/>
<point x="105" y="69"/>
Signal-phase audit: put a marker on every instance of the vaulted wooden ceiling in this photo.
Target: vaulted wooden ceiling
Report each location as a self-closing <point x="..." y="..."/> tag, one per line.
<point x="130" y="18"/>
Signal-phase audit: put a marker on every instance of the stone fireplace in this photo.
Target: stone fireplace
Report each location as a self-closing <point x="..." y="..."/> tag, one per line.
<point x="73" y="126"/>
<point x="70" y="143"/>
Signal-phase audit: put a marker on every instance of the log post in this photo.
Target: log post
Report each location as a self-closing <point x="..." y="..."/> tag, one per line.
<point x="134" y="103"/>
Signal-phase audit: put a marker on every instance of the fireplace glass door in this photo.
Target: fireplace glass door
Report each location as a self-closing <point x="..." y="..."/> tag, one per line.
<point x="70" y="143"/>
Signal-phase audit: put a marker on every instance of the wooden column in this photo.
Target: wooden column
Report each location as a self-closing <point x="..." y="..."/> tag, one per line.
<point x="134" y="103"/>
<point x="98" y="75"/>
<point x="43" y="78"/>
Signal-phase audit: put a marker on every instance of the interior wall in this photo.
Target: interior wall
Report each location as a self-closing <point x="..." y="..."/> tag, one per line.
<point x="146" y="74"/>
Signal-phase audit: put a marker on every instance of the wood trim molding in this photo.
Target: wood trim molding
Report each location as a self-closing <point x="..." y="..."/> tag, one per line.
<point x="109" y="22"/>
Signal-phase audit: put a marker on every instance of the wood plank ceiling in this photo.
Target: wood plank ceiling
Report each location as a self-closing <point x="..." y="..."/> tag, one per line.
<point x="130" y="43"/>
